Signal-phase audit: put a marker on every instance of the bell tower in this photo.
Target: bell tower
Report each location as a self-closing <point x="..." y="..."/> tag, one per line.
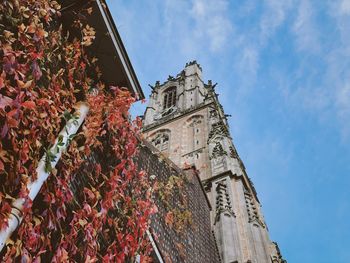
<point x="186" y="122"/>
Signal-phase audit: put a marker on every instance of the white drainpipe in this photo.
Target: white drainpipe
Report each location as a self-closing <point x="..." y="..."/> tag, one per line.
<point x="154" y="246"/>
<point x="71" y="128"/>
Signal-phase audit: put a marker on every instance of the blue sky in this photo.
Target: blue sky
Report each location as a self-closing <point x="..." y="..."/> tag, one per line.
<point x="283" y="73"/>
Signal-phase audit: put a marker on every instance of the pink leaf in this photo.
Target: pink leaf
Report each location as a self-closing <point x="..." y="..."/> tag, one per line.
<point x="28" y="104"/>
<point x="5" y="101"/>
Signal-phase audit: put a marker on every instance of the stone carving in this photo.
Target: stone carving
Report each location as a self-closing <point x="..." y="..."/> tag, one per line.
<point x="182" y="75"/>
<point x="277" y="257"/>
<point x="253" y="215"/>
<point x="219" y="165"/>
<point x="251" y="183"/>
<point x="233" y="152"/>
<point x="223" y="202"/>
<point x="171" y="78"/>
<point x="207" y="185"/>
<point x="217" y="151"/>
<point x="169" y="111"/>
<point x="213" y="114"/>
<point x="218" y="128"/>
<point x="161" y="141"/>
<point x="194" y="62"/>
<point x="155" y="87"/>
<point x="195" y="120"/>
<point x="165" y="113"/>
<point x="211" y="86"/>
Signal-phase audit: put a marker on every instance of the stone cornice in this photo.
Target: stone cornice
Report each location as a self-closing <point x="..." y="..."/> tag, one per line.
<point x="245" y="179"/>
<point x="169" y="119"/>
<point x="178" y="78"/>
<point x="195" y="151"/>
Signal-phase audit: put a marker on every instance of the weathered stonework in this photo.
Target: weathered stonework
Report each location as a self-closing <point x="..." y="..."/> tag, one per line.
<point x="198" y="133"/>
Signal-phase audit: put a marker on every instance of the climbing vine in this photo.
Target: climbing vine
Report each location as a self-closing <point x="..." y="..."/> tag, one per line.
<point x="172" y="196"/>
<point x="43" y="74"/>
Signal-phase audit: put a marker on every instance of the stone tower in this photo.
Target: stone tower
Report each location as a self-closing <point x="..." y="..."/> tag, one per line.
<point x="185" y="121"/>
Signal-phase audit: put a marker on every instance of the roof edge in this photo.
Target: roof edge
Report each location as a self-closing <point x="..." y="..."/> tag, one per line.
<point x="120" y="48"/>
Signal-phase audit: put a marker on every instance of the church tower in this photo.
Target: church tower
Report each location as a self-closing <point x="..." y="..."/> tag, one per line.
<point x="186" y="122"/>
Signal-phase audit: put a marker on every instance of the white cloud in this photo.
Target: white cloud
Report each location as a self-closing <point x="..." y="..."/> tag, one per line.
<point x="218" y="31"/>
<point x="250" y="42"/>
<point x="338" y="64"/>
<point x="199" y="9"/>
<point x="247" y="7"/>
<point x="212" y="23"/>
<point x="345" y="7"/>
<point x="342" y="101"/>
<point x="273" y="17"/>
<point x="249" y="62"/>
<point x="239" y="34"/>
<point x="306" y="32"/>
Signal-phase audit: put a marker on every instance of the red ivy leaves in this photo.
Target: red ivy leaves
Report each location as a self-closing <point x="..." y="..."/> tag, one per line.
<point x="4" y="212"/>
<point x="31" y="50"/>
<point x="41" y="74"/>
<point x="28" y="105"/>
<point x="169" y="218"/>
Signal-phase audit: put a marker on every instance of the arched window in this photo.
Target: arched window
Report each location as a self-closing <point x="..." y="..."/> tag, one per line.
<point x="169" y="98"/>
<point x="161" y="141"/>
<point x="194" y="126"/>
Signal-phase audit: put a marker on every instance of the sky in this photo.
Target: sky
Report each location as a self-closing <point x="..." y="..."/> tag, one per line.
<point x="283" y="73"/>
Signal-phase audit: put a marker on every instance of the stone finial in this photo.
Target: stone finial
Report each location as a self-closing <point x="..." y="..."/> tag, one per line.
<point x="154" y="88"/>
<point x="181" y="75"/>
<point x="171" y="78"/>
<point x="193" y="62"/>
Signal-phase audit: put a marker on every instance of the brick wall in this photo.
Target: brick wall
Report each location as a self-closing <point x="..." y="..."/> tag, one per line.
<point x="195" y="243"/>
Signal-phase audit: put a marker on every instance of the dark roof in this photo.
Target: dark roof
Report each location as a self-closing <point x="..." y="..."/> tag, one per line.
<point x="108" y="47"/>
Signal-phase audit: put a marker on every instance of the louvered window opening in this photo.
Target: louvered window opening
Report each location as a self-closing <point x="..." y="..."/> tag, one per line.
<point x="169" y="98"/>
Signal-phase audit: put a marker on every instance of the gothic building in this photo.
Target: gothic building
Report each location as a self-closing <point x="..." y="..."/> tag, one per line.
<point x="186" y="122"/>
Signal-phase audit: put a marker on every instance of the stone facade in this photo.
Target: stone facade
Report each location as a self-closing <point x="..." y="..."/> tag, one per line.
<point x="186" y="122"/>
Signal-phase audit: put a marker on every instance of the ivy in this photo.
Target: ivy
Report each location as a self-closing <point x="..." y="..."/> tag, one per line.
<point x="43" y="74"/>
<point x="49" y="158"/>
<point x="177" y="215"/>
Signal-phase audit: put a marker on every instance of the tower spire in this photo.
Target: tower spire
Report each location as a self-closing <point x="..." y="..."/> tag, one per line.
<point x="187" y="113"/>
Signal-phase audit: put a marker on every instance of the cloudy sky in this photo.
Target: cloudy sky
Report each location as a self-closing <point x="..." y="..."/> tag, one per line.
<point x="283" y="73"/>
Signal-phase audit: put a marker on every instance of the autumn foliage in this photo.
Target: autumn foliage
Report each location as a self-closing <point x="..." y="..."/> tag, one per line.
<point x="43" y="74"/>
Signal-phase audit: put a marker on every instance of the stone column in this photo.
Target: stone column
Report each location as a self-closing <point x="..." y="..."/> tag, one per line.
<point x="225" y="225"/>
